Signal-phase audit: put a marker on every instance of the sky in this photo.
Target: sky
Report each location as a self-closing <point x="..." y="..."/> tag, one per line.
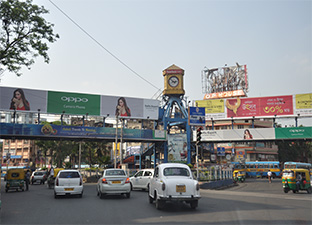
<point x="133" y="39"/>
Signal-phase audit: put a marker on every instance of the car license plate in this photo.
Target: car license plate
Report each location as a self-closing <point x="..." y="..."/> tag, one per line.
<point x="180" y="188"/>
<point x="68" y="189"/>
<point x="116" y="182"/>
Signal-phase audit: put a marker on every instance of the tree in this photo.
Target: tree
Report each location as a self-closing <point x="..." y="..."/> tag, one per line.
<point x="24" y="34"/>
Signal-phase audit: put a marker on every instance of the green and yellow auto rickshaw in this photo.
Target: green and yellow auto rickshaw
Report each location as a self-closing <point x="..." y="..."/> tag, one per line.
<point x="51" y="178"/>
<point x="15" y="179"/>
<point x="239" y="175"/>
<point x="296" y="180"/>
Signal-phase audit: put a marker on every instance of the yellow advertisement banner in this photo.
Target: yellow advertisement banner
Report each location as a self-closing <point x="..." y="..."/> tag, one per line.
<point x="304" y="101"/>
<point x="211" y="106"/>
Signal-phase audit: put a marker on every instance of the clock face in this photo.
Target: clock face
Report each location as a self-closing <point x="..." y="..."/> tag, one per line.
<point x="173" y="81"/>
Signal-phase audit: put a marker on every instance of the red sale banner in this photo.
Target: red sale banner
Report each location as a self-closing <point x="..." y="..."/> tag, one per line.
<point x="264" y="106"/>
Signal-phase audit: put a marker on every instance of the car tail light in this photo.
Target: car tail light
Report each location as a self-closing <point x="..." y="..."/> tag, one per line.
<point x="32" y="177"/>
<point x="127" y="180"/>
<point x="57" y="182"/>
<point x="104" y="181"/>
<point x="163" y="186"/>
<point x="197" y="186"/>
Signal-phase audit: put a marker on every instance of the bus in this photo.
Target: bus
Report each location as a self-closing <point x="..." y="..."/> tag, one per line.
<point x="298" y="165"/>
<point x="260" y="168"/>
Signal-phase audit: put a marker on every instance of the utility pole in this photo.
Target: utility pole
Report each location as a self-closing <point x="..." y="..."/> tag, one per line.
<point x="116" y="142"/>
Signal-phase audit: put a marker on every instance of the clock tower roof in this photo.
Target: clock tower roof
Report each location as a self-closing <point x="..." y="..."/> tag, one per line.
<point x="173" y="69"/>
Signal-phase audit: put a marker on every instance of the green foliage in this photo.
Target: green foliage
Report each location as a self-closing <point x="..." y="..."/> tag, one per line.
<point x="24" y="34"/>
<point x="295" y="151"/>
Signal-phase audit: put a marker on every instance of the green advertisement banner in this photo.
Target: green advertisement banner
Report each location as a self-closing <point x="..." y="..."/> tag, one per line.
<point x="293" y="132"/>
<point x="73" y="103"/>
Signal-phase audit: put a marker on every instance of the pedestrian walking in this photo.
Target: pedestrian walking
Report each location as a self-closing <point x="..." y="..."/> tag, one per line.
<point x="27" y="178"/>
<point x="270" y="176"/>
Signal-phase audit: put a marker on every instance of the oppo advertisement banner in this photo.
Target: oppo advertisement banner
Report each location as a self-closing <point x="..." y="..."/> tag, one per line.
<point x="77" y="103"/>
<point x="177" y="148"/>
<point x="73" y="103"/>
<point x="291" y="105"/>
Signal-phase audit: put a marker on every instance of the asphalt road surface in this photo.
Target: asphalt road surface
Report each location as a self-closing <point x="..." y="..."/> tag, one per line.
<point x="254" y="202"/>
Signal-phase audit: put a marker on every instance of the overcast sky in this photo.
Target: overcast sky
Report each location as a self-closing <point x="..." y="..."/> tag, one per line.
<point x="273" y="38"/>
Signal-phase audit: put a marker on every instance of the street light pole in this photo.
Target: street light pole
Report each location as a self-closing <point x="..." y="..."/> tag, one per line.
<point x="116" y="142"/>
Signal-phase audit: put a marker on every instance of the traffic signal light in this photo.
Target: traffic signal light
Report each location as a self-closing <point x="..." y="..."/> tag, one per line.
<point x="198" y="135"/>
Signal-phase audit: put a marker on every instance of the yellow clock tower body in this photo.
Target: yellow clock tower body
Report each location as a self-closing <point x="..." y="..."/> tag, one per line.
<point x="173" y="77"/>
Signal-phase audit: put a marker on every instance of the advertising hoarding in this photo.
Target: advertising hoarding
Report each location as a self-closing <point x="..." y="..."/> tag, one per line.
<point x="287" y="105"/>
<point x="177" y="148"/>
<point x="197" y="116"/>
<point x="55" y="102"/>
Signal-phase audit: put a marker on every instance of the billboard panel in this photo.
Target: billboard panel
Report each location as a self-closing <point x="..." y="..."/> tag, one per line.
<point x="303" y="104"/>
<point x="197" y="116"/>
<point x="23" y="99"/>
<point x="264" y="106"/>
<point x="76" y="103"/>
<point x="177" y="148"/>
<point x="73" y="103"/>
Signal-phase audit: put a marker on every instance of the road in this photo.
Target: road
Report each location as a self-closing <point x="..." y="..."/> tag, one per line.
<point x="253" y="202"/>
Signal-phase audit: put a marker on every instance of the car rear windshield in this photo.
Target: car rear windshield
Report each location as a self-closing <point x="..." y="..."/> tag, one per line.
<point x="176" y="171"/>
<point x="38" y="173"/>
<point x="115" y="172"/>
<point x="69" y="175"/>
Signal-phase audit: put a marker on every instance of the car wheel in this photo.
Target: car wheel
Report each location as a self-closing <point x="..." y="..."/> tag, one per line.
<point x="131" y="188"/>
<point x="80" y="195"/>
<point x="150" y="199"/>
<point x="294" y="191"/>
<point x="102" y="195"/>
<point x="55" y="195"/>
<point x="194" y="204"/>
<point x="128" y="195"/>
<point x="285" y="191"/>
<point x="159" y="204"/>
<point x="309" y="190"/>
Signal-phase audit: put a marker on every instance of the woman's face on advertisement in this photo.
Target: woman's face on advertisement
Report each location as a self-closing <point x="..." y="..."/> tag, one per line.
<point x="18" y="95"/>
<point x="121" y="103"/>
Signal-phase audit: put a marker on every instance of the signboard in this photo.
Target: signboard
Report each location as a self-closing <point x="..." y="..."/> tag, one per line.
<point x="177" y="148"/>
<point x="197" y="116"/>
<point x="220" y="151"/>
<point x="287" y="105"/>
<point x="293" y="132"/>
<point x="55" y="102"/>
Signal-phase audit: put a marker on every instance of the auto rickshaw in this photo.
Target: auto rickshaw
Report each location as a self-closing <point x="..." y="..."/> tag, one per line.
<point x="239" y="175"/>
<point x="15" y="180"/>
<point x="51" y="179"/>
<point x="296" y="180"/>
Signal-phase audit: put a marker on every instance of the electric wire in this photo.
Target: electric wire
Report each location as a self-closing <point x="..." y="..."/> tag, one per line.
<point x="98" y="43"/>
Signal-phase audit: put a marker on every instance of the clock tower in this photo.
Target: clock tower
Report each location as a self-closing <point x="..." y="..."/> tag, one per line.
<point x="173" y="77"/>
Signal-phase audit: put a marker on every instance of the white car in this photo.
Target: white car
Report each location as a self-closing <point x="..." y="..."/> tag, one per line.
<point x="68" y="182"/>
<point x="173" y="182"/>
<point x="113" y="181"/>
<point x="141" y="179"/>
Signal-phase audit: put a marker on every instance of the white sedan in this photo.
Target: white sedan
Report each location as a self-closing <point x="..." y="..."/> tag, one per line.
<point x="141" y="179"/>
<point x="68" y="182"/>
<point x="113" y="181"/>
<point x="173" y="182"/>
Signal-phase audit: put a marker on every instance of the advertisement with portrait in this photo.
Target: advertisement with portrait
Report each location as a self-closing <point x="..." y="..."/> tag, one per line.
<point x="129" y="107"/>
<point x="177" y="148"/>
<point x="56" y="102"/>
<point x="23" y="99"/>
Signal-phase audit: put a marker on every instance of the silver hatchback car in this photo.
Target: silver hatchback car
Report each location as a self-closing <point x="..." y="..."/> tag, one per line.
<point x="113" y="182"/>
